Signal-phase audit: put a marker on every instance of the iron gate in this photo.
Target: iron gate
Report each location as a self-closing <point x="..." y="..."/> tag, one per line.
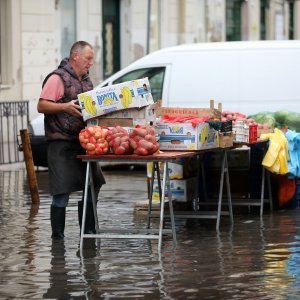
<point x="14" y="116"/>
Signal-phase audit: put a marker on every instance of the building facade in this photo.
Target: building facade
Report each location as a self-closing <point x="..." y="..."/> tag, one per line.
<point x="37" y="34"/>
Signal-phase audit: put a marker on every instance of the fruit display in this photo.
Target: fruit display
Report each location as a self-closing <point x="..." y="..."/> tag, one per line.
<point x="262" y="123"/>
<point x="143" y="140"/>
<point x="282" y="119"/>
<point x="118" y="140"/>
<point x="97" y="140"/>
<point x="233" y="115"/>
<point x="93" y="140"/>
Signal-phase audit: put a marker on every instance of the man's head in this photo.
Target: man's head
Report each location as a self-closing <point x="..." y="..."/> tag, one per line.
<point x="81" y="57"/>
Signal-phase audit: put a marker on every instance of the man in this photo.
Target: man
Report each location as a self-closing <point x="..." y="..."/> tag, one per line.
<point x="63" y="122"/>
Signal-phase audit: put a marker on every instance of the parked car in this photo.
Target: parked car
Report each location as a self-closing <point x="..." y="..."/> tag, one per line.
<point x="249" y="77"/>
<point x="38" y="141"/>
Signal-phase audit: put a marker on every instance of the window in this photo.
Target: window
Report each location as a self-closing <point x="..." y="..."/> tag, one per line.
<point x="263" y="20"/>
<point x="155" y="77"/>
<point x="4" y="42"/>
<point x="233" y="20"/>
<point x="291" y="19"/>
<point x="111" y="37"/>
<point x="68" y="26"/>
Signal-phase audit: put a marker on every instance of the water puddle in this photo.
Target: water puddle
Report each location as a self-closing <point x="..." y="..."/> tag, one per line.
<point x="256" y="259"/>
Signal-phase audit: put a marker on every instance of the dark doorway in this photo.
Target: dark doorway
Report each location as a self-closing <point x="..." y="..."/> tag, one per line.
<point x="233" y="20"/>
<point x="111" y="37"/>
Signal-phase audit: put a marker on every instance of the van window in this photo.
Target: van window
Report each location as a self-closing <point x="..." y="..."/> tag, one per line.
<point x="155" y="77"/>
<point x="68" y="26"/>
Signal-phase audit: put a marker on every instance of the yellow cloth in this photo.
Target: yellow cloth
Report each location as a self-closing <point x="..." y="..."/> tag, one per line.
<point x="277" y="155"/>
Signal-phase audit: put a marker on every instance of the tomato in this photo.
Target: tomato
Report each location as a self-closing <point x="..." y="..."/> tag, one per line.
<point x="91" y="130"/>
<point x="82" y="139"/>
<point x="146" y="144"/>
<point x="117" y="141"/>
<point x="119" y="150"/>
<point x="90" y="146"/>
<point x="133" y="143"/>
<point x="90" y="152"/>
<point x="140" y="132"/>
<point x="151" y="138"/>
<point x="141" y="151"/>
<point x="92" y="140"/>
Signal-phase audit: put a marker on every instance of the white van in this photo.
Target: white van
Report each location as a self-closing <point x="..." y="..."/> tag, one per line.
<point x="248" y="77"/>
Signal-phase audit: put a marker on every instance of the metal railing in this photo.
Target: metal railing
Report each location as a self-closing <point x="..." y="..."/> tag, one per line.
<point x="14" y="116"/>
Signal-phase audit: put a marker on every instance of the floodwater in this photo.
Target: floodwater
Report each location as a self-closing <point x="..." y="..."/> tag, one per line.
<point x="255" y="259"/>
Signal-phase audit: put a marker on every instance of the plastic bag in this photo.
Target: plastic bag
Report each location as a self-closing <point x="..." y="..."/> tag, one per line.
<point x="286" y="191"/>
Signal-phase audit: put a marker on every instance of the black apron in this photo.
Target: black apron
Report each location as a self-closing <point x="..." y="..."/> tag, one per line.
<point x="67" y="172"/>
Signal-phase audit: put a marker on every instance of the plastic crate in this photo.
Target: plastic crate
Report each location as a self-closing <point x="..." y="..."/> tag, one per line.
<point x="252" y="133"/>
<point x="226" y="126"/>
<point x="222" y="126"/>
<point x="216" y="125"/>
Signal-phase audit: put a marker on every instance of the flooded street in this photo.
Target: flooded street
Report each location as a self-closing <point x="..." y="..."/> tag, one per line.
<point x="256" y="259"/>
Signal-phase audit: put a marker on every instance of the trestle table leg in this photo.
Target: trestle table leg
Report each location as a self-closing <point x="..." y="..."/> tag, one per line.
<point x="221" y="190"/>
<point x="228" y="187"/>
<point x="162" y="206"/>
<point x="269" y="190"/>
<point x="151" y="194"/>
<point x="94" y="201"/>
<point x="262" y="192"/>
<point x="84" y="205"/>
<point x="170" y="205"/>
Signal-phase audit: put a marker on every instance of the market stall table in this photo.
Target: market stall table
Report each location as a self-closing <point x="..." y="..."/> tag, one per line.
<point x="265" y="181"/>
<point x="198" y="212"/>
<point x="146" y="233"/>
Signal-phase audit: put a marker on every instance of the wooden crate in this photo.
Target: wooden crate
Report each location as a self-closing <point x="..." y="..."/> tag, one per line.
<point x="210" y="112"/>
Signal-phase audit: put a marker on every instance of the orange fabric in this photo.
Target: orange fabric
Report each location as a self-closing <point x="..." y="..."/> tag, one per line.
<point x="287" y="189"/>
<point x="183" y="119"/>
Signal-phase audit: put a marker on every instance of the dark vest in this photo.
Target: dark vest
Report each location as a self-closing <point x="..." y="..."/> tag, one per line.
<point x="63" y="126"/>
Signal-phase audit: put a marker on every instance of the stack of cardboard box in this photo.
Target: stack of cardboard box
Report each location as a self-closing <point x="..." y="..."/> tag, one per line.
<point x="183" y="179"/>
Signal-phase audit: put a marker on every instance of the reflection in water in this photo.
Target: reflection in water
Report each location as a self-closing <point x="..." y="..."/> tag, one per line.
<point x="58" y="274"/>
<point x="224" y="244"/>
<point x="280" y="260"/>
<point x="292" y="267"/>
<point x="257" y="258"/>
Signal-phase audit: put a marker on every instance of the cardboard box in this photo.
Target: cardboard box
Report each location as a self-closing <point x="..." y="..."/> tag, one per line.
<point x="179" y="169"/>
<point x="129" y="94"/>
<point x="226" y="139"/>
<point x="142" y="116"/>
<point x="111" y="122"/>
<point x="182" y="190"/>
<point x="183" y="136"/>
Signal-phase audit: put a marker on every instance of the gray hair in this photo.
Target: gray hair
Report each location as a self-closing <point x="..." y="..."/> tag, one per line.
<point x="79" y="46"/>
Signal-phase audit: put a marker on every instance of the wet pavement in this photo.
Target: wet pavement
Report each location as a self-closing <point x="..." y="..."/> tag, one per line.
<point x="255" y="259"/>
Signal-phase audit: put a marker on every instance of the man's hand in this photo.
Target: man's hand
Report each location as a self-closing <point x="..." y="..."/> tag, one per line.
<point x="49" y="107"/>
<point x="72" y="108"/>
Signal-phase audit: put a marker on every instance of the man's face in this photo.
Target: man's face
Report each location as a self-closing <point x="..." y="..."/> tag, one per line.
<point x="84" y="60"/>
